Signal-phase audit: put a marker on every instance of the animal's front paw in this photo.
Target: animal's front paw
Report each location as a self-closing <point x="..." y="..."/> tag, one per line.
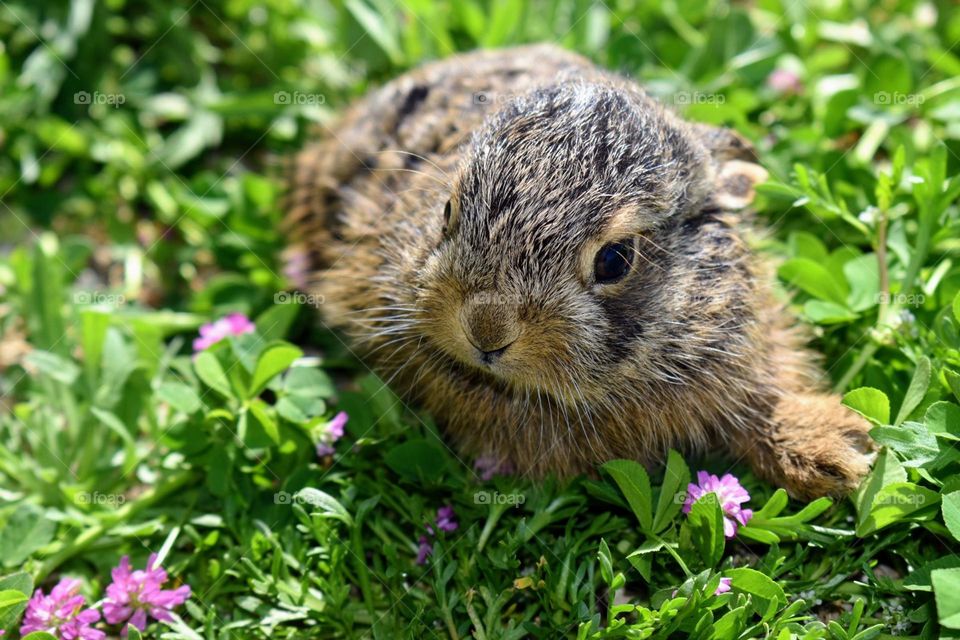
<point x="823" y="448"/>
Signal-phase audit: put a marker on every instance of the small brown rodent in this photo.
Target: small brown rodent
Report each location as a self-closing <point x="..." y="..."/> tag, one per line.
<point x="549" y="261"/>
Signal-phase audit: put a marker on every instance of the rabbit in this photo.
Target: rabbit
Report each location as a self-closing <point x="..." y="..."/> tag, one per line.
<point x="554" y="265"/>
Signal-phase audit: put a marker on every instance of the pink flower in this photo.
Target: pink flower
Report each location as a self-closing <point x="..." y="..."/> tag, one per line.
<point x="783" y="81"/>
<point x="234" y="324"/>
<point x="332" y="432"/>
<point x="729" y="492"/>
<point x="488" y="466"/>
<point x="445" y="519"/>
<point x="296" y="266"/>
<point x="61" y="613"/>
<point x="723" y="587"/>
<point x="134" y="594"/>
<point x="424" y="550"/>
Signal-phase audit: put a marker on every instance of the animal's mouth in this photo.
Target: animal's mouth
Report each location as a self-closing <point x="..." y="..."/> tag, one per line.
<point x="522" y="384"/>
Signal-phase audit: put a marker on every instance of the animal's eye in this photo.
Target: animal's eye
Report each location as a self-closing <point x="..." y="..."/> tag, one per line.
<point x="446" y="214"/>
<point x="613" y="261"/>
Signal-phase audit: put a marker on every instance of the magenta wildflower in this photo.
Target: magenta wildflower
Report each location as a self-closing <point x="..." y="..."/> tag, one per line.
<point x="61" y="613"/>
<point x="134" y="594"/>
<point x="723" y="587"/>
<point x="728" y="491"/>
<point x="332" y="432"/>
<point x="234" y="324"/>
<point x="424" y="550"/>
<point x="446" y="519"/>
<point x="488" y="466"/>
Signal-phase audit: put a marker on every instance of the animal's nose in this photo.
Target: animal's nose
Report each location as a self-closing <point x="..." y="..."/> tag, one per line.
<point x="490" y="327"/>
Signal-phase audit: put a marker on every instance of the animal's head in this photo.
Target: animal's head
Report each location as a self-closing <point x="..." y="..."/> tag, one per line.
<point x="551" y="269"/>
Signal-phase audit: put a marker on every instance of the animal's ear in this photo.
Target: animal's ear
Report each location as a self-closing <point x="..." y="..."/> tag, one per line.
<point x="736" y="171"/>
<point x="735" y="182"/>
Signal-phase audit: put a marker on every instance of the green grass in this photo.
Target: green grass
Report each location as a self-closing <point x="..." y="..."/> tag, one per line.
<point x="141" y="152"/>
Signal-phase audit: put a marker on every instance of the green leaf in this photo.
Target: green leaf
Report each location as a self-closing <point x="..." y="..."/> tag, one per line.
<point x="956" y="307"/>
<point x="871" y="403"/>
<point x="766" y="595"/>
<point x="777" y="503"/>
<point x="815" y="279"/>
<point x="133" y="633"/>
<point x="417" y="459"/>
<point x="950" y="506"/>
<point x="22" y="583"/>
<point x="706" y="528"/>
<point x="300" y="409"/>
<point x="56" y="367"/>
<point x="210" y="371"/>
<point x="261" y="413"/>
<point x="730" y="625"/>
<point x="308" y="382"/>
<point x="606" y="562"/>
<point x="47" y="296"/>
<point x="376" y="27"/>
<point x="886" y="470"/>
<point x="913" y="443"/>
<point x="641" y="557"/>
<point x="179" y="396"/>
<point x="27" y="530"/>
<point x="862" y="273"/>
<point x="946" y="591"/>
<point x="39" y="635"/>
<point x="676" y="477"/>
<point x="953" y="380"/>
<point x="916" y="391"/>
<point x="943" y="419"/>
<point x="823" y="312"/>
<point x="112" y="422"/>
<point x="804" y="244"/>
<point x="896" y="503"/>
<point x="634" y="482"/>
<point x="273" y="361"/>
<point x="274" y="323"/>
<point x="919" y="579"/>
<point x="753" y="532"/>
<point x="323" y="504"/>
<point x="10" y="597"/>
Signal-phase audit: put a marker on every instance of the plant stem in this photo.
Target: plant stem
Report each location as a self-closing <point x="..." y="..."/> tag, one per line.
<point x="882" y="313"/>
<point x="492" y="519"/>
<point x="855" y="368"/>
<point x="124" y="513"/>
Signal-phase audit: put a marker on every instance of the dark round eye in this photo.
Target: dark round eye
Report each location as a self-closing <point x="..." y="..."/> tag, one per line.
<point x="613" y="261"/>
